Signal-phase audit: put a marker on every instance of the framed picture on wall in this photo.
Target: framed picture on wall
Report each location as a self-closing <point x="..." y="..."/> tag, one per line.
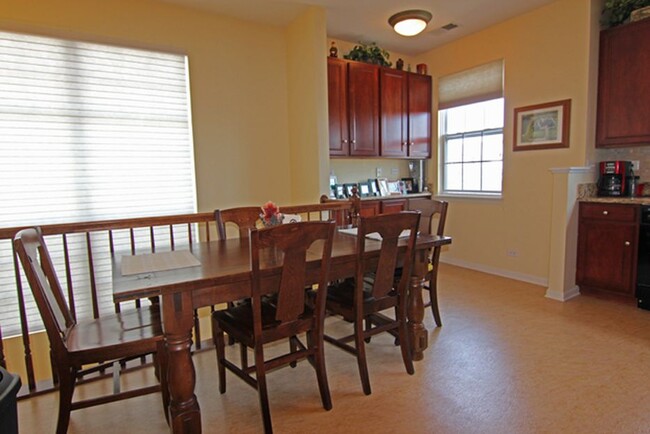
<point x="542" y="126"/>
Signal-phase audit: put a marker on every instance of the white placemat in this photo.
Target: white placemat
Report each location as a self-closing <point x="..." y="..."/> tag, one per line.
<point x="375" y="235"/>
<point x="150" y="262"/>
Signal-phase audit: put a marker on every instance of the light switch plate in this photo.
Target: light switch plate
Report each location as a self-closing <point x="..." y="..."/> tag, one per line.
<point x="379" y="172"/>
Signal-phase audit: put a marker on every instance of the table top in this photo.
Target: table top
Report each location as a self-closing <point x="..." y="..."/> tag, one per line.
<point x="227" y="262"/>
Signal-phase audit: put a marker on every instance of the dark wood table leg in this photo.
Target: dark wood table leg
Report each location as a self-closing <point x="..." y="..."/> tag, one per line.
<point x="184" y="411"/>
<point x="415" y="308"/>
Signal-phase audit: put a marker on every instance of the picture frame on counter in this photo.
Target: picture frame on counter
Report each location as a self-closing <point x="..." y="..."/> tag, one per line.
<point x="409" y="185"/>
<point x="349" y="189"/>
<point x="340" y="191"/>
<point x="374" y="188"/>
<point x="394" y="188"/>
<point x="383" y="186"/>
<point x="364" y="189"/>
<point x="542" y="126"/>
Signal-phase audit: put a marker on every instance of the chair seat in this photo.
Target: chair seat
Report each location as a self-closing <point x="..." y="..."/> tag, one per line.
<point x="237" y="321"/>
<point x="340" y="299"/>
<point x="112" y="335"/>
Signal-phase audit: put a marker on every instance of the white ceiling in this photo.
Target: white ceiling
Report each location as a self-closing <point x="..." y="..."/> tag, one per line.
<point x="367" y="20"/>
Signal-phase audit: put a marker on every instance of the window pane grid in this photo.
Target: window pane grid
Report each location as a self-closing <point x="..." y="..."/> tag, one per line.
<point x="472" y="150"/>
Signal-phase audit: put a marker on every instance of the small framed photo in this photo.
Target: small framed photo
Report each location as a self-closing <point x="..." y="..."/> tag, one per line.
<point x="542" y="126"/>
<point x="383" y="186"/>
<point x="333" y="181"/>
<point x="374" y="188"/>
<point x="349" y="189"/>
<point x="364" y="189"/>
<point x="340" y="191"/>
<point x="394" y="187"/>
<point x="409" y="185"/>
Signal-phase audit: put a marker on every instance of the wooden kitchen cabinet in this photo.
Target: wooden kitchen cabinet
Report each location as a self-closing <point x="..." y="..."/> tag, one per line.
<point x="623" y="117"/>
<point x="353" y="101"/>
<point x="405" y="114"/>
<point x="607" y="247"/>
<point x="337" y="84"/>
<point x="369" y="208"/>
<point x="390" y="206"/>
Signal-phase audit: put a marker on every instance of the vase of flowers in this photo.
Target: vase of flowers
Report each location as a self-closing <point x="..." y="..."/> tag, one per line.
<point x="271" y="215"/>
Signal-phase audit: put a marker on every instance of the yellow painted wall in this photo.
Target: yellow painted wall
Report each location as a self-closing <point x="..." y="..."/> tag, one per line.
<point x="238" y="74"/>
<point x="308" y="133"/>
<point x="546" y="56"/>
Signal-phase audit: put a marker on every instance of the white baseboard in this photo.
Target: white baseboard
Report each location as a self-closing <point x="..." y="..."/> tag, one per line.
<point x="536" y="280"/>
<point x="563" y="296"/>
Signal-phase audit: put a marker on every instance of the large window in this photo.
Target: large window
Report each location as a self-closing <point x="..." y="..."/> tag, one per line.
<point x="472" y="147"/>
<point x="88" y="132"/>
<point x="471" y="131"/>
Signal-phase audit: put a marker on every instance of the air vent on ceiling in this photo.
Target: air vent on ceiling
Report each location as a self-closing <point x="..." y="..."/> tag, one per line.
<point x="449" y="26"/>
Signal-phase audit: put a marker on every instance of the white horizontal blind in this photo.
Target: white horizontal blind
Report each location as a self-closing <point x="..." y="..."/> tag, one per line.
<point x="89" y="132"/>
<point x="481" y="83"/>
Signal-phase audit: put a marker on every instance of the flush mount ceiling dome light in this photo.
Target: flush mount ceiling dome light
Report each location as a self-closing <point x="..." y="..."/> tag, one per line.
<point x="410" y="23"/>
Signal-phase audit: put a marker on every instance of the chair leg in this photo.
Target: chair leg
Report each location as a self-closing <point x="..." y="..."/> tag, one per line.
<point x="368" y="322"/>
<point x="220" y="346"/>
<point x="361" y="357"/>
<point x="260" y="372"/>
<point x="433" y="295"/>
<point x="321" y="372"/>
<point x="243" y="355"/>
<point x="67" y="378"/>
<point x="293" y="347"/>
<point x="162" y="364"/>
<point x="405" y="345"/>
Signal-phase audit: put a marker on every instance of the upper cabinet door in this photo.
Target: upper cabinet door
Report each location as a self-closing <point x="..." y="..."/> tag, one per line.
<point x="337" y="80"/>
<point x="394" y="113"/>
<point x="623" y="86"/>
<point x="419" y="108"/>
<point x="363" y="109"/>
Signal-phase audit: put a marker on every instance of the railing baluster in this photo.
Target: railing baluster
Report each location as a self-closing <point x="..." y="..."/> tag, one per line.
<point x="68" y="277"/>
<point x="171" y="237"/>
<point x="24" y="328"/>
<point x="91" y="275"/>
<point x="111" y="247"/>
<point x="189" y="233"/>
<point x="153" y="240"/>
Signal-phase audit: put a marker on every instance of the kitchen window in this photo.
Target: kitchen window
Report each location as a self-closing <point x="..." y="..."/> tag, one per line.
<point x="88" y="132"/>
<point x="470" y="131"/>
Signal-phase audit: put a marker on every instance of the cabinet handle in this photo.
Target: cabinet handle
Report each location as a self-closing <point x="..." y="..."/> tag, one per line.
<point x="605" y="212"/>
<point x="404" y="144"/>
<point x="627" y="243"/>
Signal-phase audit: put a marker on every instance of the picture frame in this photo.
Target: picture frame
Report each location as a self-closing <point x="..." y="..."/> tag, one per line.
<point x="394" y="188"/>
<point x="340" y="191"/>
<point x="333" y="181"/>
<point x="364" y="189"/>
<point x="374" y="188"/>
<point x="382" y="183"/>
<point x="409" y="185"/>
<point x="349" y="189"/>
<point x="542" y="126"/>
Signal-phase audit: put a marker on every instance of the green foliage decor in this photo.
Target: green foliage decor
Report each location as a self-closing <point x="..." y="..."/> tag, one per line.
<point x="369" y="53"/>
<point x="616" y="12"/>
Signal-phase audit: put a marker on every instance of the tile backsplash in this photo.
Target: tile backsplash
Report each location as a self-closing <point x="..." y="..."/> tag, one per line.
<point x="640" y="153"/>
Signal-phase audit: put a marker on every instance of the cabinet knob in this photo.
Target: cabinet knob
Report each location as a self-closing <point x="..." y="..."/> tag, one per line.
<point x="605" y="212"/>
<point x="627" y="243"/>
<point x="354" y="141"/>
<point x="345" y="141"/>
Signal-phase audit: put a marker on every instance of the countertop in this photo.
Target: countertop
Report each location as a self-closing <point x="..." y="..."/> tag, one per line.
<point x="643" y="200"/>
<point x="405" y="196"/>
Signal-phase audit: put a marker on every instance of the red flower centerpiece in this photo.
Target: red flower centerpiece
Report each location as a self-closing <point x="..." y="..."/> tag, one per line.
<point x="270" y="215"/>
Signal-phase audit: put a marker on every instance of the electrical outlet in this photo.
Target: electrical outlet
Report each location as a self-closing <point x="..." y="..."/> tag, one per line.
<point x="512" y="253"/>
<point x="635" y="165"/>
<point x="379" y="172"/>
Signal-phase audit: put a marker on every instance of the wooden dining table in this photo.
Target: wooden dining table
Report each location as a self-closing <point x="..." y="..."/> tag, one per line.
<point x="224" y="274"/>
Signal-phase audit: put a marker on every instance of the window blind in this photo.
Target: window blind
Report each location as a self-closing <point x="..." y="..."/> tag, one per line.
<point x="89" y="132"/>
<point x="481" y="83"/>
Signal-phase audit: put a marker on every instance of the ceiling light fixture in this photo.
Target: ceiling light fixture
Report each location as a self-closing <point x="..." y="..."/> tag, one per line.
<point x="411" y="22"/>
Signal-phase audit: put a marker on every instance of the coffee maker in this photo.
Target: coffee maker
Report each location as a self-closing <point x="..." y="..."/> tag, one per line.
<point x="417" y="171"/>
<point x="616" y="178"/>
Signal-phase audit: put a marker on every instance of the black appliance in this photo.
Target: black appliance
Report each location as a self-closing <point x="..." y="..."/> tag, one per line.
<point x="616" y="178"/>
<point x="643" y="262"/>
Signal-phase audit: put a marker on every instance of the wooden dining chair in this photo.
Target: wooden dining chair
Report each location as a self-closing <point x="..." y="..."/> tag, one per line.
<point x="244" y="218"/>
<point x="95" y="342"/>
<point x="279" y="265"/>
<point x="432" y="210"/>
<point x="362" y="300"/>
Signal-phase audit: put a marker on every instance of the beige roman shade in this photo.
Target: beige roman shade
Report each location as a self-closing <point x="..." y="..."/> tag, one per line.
<point x="477" y="84"/>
